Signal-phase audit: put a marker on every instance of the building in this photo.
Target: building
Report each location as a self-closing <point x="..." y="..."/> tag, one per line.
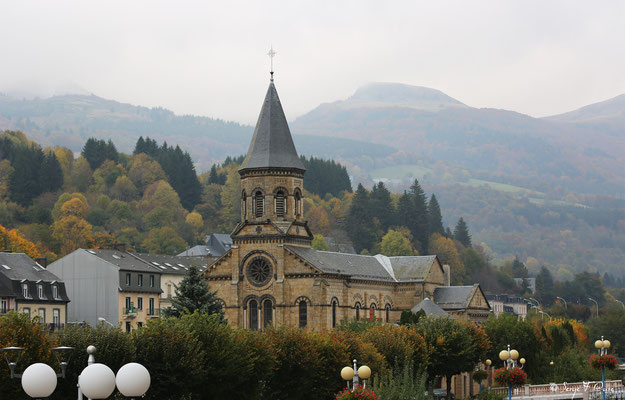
<point x="272" y="276"/>
<point x="173" y="269"/>
<point x="123" y="288"/>
<point x="502" y="303"/>
<point x="216" y="245"/>
<point x="27" y="287"/>
<point x="530" y="283"/>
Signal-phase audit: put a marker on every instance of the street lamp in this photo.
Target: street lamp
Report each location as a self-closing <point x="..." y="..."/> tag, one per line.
<point x="105" y="321"/>
<point x="597" y="304"/>
<point x="39" y="379"/>
<point x="488" y="363"/>
<point x="510" y="357"/>
<point x="602" y="347"/>
<point x="352" y="374"/>
<point x="537" y="303"/>
<point x="558" y="297"/>
<point x="543" y="315"/>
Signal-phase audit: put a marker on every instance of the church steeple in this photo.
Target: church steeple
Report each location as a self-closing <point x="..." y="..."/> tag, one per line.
<point x="272" y="181"/>
<point x="272" y="145"/>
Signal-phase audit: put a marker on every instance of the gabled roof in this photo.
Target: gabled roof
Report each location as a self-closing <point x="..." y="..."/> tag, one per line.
<point x="150" y="263"/>
<point x="411" y="268"/>
<point x="378" y="267"/>
<point x="455" y="297"/>
<point x="176" y="265"/>
<point x="357" y="266"/>
<point x="20" y="266"/>
<point x="123" y="260"/>
<point x="272" y="145"/>
<point x="429" y="307"/>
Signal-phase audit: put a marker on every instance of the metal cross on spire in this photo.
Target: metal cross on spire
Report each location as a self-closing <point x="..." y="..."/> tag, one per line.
<point x="272" y="53"/>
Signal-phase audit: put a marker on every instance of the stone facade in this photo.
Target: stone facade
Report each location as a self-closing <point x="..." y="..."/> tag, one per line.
<point x="271" y="276"/>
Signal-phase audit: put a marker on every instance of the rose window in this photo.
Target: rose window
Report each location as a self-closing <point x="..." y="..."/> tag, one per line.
<point x="259" y="271"/>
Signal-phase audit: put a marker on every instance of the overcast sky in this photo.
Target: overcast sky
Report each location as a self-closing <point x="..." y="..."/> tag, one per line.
<point x="209" y="57"/>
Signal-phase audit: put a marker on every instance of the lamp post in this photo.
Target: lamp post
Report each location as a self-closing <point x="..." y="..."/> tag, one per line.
<point x="352" y="374"/>
<point x="537" y="303"/>
<point x="597" y="304"/>
<point x="38" y="380"/>
<point x="558" y="297"/>
<point x="488" y="363"/>
<point x="106" y="322"/>
<point x="509" y="358"/>
<point x="553" y="372"/>
<point x="97" y="381"/>
<point x="543" y="314"/>
<point x="602" y="347"/>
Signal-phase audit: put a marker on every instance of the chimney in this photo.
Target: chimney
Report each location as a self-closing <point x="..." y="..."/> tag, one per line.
<point x="447" y="270"/>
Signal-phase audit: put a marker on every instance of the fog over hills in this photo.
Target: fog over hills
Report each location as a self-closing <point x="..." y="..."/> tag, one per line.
<point x="500" y="145"/>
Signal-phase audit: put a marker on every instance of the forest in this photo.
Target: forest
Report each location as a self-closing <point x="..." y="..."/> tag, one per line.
<point x="153" y="200"/>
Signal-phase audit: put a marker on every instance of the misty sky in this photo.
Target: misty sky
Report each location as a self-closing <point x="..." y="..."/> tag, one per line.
<point x="209" y="57"/>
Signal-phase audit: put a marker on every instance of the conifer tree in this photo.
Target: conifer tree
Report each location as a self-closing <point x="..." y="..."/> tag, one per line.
<point x="358" y="222"/>
<point x="193" y="294"/>
<point x="435" y="218"/>
<point x="461" y="233"/>
<point x="419" y="226"/>
<point x="381" y="206"/>
<point x="406" y="212"/>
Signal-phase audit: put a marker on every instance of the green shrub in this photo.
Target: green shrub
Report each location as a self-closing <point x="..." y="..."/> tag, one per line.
<point x="402" y="384"/>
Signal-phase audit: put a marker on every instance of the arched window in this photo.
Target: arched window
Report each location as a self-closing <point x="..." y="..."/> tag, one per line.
<point x="267" y="313"/>
<point x="253" y="314"/>
<point x="357" y="311"/>
<point x="298" y="203"/>
<point x="303" y="314"/>
<point x="334" y="310"/>
<point x="244" y="204"/>
<point x="259" y="202"/>
<point x="388" y="312"/>
<point x="372" y="312"/>
<point x="280" y="203"/>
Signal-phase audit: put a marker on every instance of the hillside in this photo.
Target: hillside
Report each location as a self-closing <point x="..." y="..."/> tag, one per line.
<point x="69" y="120"/>
<point x="498" y="145"/>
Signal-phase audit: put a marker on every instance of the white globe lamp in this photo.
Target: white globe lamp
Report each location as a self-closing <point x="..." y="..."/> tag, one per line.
<point x="39" y="380"/>
<point x="133" y="380"/>
<point x="97" y="381"/>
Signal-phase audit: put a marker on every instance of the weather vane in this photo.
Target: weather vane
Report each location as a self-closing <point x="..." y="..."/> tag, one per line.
<point x="272" y="53"/>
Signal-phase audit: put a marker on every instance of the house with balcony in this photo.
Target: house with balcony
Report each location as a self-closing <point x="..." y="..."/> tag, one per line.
<point x="27" y="287"/>
<point x="110" y="285"/>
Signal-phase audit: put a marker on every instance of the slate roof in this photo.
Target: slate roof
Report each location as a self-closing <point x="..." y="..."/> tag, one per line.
<point x="430" y="308"/>
<point x="151" y="263"/>
<point x="379" y="267"/>
<point x="18" y="268"/>
<point x="272" y="145"/>
<point x="364" y="267"/>
<point x="412" y="268"/>
<point x="23" y="267"/>
<point x="123" y="260"/>
<point x="176" y="265"/>
<point x="454" y="297"/>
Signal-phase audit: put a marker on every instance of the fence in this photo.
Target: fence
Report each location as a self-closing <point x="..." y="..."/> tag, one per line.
<point x="577" y="389"/>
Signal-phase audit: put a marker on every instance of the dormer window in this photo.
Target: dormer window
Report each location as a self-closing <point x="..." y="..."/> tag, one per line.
<point x="259" y="202"/>
<point x="25" y="290"/>
<point x="280" y="203"/>
<point x="40" y="291"/>
<point x="55" y="291"/>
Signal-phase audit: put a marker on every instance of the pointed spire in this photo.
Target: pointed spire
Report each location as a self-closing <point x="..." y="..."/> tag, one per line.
<point x="272" y="145"/>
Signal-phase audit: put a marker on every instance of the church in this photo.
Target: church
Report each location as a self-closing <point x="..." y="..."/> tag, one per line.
<point x="271" y="275"/>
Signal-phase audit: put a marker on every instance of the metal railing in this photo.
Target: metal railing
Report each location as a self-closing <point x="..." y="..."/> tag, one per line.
<point x="615" y="386"/>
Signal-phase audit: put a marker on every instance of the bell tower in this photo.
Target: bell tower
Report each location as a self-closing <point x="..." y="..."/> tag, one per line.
<point x="272" y="177"/>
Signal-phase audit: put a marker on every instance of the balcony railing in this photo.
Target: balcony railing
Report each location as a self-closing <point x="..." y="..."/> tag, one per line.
<point x="130" y="312"/>
<point x="154" y="312"/>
